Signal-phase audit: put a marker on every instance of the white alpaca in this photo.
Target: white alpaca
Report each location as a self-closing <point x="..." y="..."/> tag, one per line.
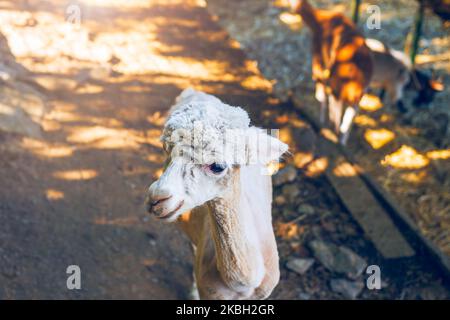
<point x="214" y="187"/>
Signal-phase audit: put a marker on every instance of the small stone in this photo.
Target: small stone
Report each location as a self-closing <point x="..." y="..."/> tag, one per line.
<point x="305" y="209"/>
<point x="279" y="200"/>
<point x="338" y="259"/>
<point x="348" y="289"/>
<point x="329" y="226"/>
<point x="434" y="292"/>
<point x="300" y="266"/>
<point x="285" y="175"/>
<point x="290" y="192"/>
<point x="304" y="296"/>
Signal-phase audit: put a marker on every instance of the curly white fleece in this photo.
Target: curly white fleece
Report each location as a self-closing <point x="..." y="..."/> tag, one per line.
<point x="205" y="129"/>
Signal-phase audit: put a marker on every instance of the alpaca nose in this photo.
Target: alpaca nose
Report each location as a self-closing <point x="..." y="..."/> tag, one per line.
<point x="159" y="199"/>
<point x="156" y="196"/>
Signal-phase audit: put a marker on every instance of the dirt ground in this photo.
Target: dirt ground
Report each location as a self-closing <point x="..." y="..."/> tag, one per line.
<point x="72" y="188"/>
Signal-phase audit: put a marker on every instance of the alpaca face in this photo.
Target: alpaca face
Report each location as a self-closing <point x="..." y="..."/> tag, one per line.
<point x="199" y="173"/>
<point x="206" y="142"/>
<point x="185" y="185"/>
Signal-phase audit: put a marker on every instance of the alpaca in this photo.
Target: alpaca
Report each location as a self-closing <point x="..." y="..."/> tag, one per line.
<point x="341" y="65"/>
<point x="394" y="73"/>
<point x="215" y="188"/>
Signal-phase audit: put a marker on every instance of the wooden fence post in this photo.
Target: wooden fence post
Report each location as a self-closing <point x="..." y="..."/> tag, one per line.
<point x="355" y="9"/>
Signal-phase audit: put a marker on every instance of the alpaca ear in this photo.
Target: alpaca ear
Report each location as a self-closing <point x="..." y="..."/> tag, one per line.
<point x="263" y="148"/>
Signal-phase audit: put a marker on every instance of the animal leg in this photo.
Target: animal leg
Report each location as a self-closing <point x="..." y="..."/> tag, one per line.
<point x="323" y="99"/>
<point x="396" y="95"/>
<point x="335" y="112"/>
<point x="382" y="94"/>
<point x="346" y="124"/>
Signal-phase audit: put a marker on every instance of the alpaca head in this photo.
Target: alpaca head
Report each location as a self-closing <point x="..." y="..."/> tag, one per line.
<point x="206" y="142"/>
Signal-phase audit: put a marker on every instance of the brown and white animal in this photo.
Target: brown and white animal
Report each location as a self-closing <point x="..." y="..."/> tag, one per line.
<point x="341" y="64"/>
<point x="394" y="73"/>
<point x="214" y="186"/>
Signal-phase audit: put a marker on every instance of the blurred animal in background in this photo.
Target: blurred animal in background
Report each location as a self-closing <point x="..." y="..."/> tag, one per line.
<point x="426" y="87"/>
<point x="341" y="65"/>
<point x="394" y="73"/>
<point x="223" y="200"/>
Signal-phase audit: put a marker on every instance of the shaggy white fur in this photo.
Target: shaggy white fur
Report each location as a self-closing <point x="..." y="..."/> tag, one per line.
<point x="202" y="129"/>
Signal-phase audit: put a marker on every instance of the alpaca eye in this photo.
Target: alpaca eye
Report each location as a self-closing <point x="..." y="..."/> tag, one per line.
<point x="217" y="168"/>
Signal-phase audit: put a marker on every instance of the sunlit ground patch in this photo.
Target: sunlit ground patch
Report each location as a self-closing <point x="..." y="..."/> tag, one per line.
<point x="44" y="149"/>
<point x="256" y="82"/>
<point x="53" y="194"/>
<point x="316" y="167"/>
<point x="414" y="177"/>
<point x="73" y="175"/>
<point x="329" y="135"/>
<point x="345" y="169"/>
<point x="293" y="21"/>
<point x="405" y="158"/>
<point x="287" y="230"/>
<point x="123" y="222"/>
<point x="135" y="4"/>
<point x="302" y="158"/>
<point x="378" y="138"/>
<point x="439" y="154"/>
<point x="370" y="103"/>
<point x="363" y="120"/>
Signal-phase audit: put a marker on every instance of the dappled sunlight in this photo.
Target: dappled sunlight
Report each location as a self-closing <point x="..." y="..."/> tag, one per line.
<point x="138" y="170"/>
<point x="135" y="4"/>
<point x="282" y="119"/>
<point x="121" y="222"/>
<point x="156" y="119"/>
<point x="288" y="230"/>
<point x="414" y="177"/>
<point x="113" y="138"/>
<point x="54" y="45"/>
<point x="155" y="158"/>
<point x="316" y="167"/>
<point x="370" y="103"/>
<point x="60" y="115"/>
<point x="405" y="158"/>
<point x="329" y="135"/>
<point x="6" y="110"/>
<point x="158" y="173"/>
<point x="293" y="21"/>
<point x="285" y="135"/>
<point x="301" y="159"/>
<point x="378" y="138"/>
<point x="89" y="89"/>
<point x="386" y="118"/>
<point x="439" y="154"/>
<point x="74" y="175"/>
<point x="44" y="149"/>
<point x="256" y="82"/>
<point x="53" y="194"/>
<point x="344" y="169"/>
<point x="363" y="120"/>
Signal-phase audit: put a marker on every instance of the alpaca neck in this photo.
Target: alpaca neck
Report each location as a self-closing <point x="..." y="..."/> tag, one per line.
<point x="237" y="232"/>
<point x="308" y="14"/>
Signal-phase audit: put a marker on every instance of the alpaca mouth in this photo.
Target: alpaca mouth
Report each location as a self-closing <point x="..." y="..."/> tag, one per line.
<point x="173" y="212"/>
